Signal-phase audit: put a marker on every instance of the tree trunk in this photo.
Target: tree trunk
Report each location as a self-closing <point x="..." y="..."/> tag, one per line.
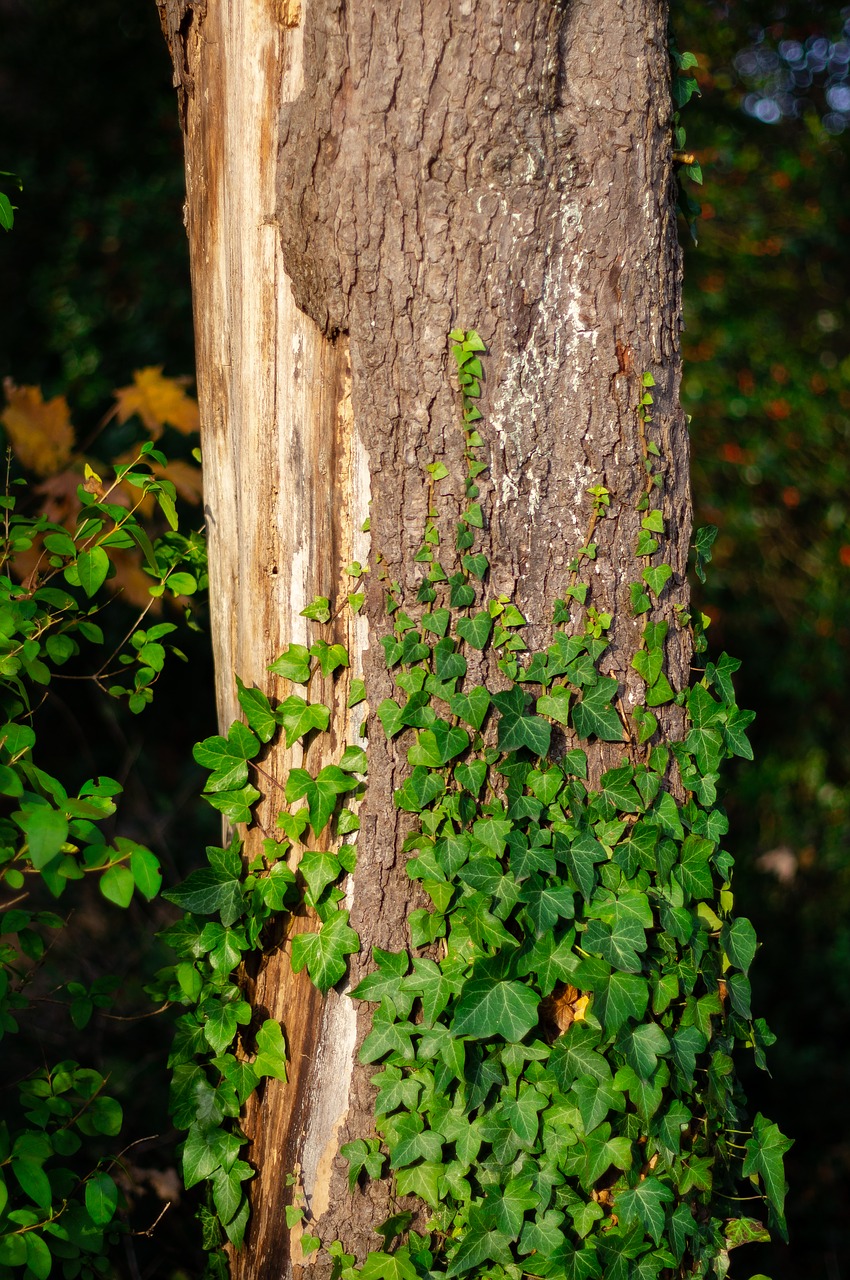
<point x="361" y="178"/>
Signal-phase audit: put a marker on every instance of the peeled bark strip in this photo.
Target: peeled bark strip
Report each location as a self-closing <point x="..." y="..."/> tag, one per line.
<point x="363" y="182"/>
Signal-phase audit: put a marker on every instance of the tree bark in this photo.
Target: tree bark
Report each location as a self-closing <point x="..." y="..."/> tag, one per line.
<point x="360" y="179"/>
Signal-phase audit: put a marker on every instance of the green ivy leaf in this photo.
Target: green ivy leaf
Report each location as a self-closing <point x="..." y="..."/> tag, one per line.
<point x="765" y="1150"/>
<point x="595" y="716"/>
<point x="389" y="1266"/>
<point x="491" y="1006"/>
<point x="318" y="609"/>
<point x="208" y="892"/>
<point x="323" y="953"/>
<point x="471" y="707"/>
<point x="271" y="1051"/>
<point x="330" y="656"/>
<point x="623" y="997"/>
<point x="227" y="758"/>
<point x="235" y="805"/>
<point x="419" y="790"/>
<point x="298" y="717"/>
<point x="738" y="940"/>
<point x="555" y="704"/>
<point x="517" y="728"/>
<point x="293" y="664"/>
<point x="357" y="693"/>
<point x="258" y="712"/>
<point x="438" y="745"/>
<point x="597" y="1153"/>
<point x="476" y="630"/>
<point x="645" y="1204"/>
<point x="321" y="792"/>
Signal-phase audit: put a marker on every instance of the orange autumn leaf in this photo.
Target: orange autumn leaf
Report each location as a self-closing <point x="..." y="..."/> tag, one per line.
<point x="61" y="500"/>
<point x="187" y="480"/>
<point x="39" y="431"/>
<point x="157" y="401"/>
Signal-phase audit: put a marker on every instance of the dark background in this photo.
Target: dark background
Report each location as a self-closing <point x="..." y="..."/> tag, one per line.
<point x="95" y="285"/>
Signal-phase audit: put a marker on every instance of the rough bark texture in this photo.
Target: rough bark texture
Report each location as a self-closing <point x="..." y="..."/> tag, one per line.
<point x="497" y="164"/>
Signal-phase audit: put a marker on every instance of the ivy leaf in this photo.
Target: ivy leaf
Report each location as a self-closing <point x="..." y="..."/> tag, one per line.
<point x="471" y="707"/>
<point x="419" y="790"/>
<point x="598" y="1152"/>
<point x="645" y="1204"/>
<point x="574" y="1055"/>
<point x="298" y="717"/>
<point x="645" y="1095"/>
<point x="643" y="1045"/>
<point x="235" y="805"/>
<point x="258" y="711"/>
<point x="594" y="715"/>
<point x="738" y="940"/>
<point x="425" y="1180"/>
<point x="595" y="1099"/>
<point x="433" y="987"/>
<point x="551" y="960"/>
<point x="479" y="1244"/>
<point x="386" y="979"/>
<point x="391" y="716"/>
<point x="221" y="1020"/>
<point x="685" y="1045"/>
<point x="616" y="789"/>
<point x="362" y="1154"/>
<point x="209" y="892"/>
<point x="388" y="1266"/>
<point x="293" y="664"/>
<point x="331" y="656"/>
<point x="546" y="902"/>
<point x="323" y="953"/>
<point x="394" y="1090"/>
<point x="581" y="856"/>
<point x="765" y="1150"/>
<point x="319" y="869"/>
<point x="545" y="1235"/>
<point x="491" y="1006"/>
<point x="735" y="732"/>
<point x="475" y="631"/>
<point x="555" y="704"/>
<point x="657" y="578"/>
<point x="624" y="996"/>
<point x="320" y="792"/>
<point x="388" y="1035"/>
<point x="506" y="1207"/>
<point x="439" y="744"/>
<point x="694" y="869"/>
<point x="517" y="728"/>
<point x="437" y="621"/>
<point x="227" y="758"/>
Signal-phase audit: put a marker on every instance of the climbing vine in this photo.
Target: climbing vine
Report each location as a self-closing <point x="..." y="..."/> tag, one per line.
<point x="553" y="1053"/>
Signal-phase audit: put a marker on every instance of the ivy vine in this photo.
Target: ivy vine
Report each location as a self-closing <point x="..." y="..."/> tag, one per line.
<point x="553" y="1053"/>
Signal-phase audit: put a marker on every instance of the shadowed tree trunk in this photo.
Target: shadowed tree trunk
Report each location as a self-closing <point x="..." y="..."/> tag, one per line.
<point x="361" y="178"/>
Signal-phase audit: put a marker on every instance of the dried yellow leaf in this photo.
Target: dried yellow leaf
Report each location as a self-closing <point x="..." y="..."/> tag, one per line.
<point x="157" y="401"/>
<point x="39" y="431"/>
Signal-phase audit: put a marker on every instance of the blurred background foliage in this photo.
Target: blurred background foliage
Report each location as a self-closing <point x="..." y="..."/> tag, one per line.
<point x="96" y="286"/>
